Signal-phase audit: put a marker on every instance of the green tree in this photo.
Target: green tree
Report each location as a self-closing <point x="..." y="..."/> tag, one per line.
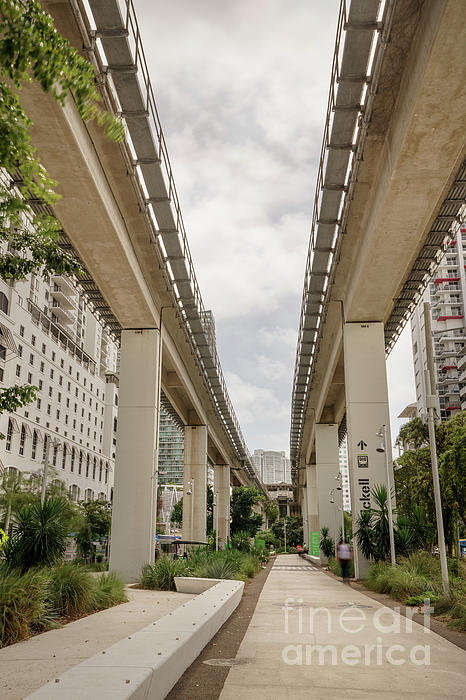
<point x="11" y="495"/>
<point x="32" y="49"/>
<point x="294" y="530"/>
<point x="272" y="511"/>
<point x="99" y="516"/>
<point x="176" y="516"/>
<point x="413" y="482"/>
<point x="243" y="518"/>
<point x="95" y="524"/>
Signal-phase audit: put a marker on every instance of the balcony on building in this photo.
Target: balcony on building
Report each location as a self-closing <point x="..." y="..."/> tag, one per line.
<point x="462" y="369"/>
<point x="66" y="285"/>
<point x="65" y="315"/>
<point x="60" y="295"/>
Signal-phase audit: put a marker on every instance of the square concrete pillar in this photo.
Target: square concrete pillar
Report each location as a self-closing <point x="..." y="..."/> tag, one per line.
<point x="311" y="495"/>
<point x="135" y="485"/>
<point x="305" y="518"/>
<point x="195" y="483"/>
<point x="328" y="467"/>
<point x="366" y="411"/>
<point x="222" y="491"/>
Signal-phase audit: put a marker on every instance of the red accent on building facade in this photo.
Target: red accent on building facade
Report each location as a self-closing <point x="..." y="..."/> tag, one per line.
<point x="444" y="318"/>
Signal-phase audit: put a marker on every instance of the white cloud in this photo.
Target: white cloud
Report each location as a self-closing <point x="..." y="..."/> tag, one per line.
<point x="241" y="87"/>
<point x="400" y="375"/>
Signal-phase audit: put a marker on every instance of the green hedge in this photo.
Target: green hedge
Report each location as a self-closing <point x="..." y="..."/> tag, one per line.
<point x="43" y="598"/>
<point x="202" y="563"/>
<point x="419" y="577"/>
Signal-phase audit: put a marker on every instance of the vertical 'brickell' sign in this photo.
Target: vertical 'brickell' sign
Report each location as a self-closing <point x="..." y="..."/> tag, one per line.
<point x="315" y="546"/>
<point x="365" y="493"/>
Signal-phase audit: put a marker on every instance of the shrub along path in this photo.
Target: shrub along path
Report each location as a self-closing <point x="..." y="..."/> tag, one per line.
<point x="28" y="665"/>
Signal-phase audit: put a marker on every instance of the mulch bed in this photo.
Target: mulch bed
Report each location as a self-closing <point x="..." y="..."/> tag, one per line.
<point x="202" y="680"/>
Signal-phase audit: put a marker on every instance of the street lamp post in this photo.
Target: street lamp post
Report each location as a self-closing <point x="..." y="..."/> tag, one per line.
<point x="216" y="519"/>
<point x="284" y="532"/>
<point x="382" y="433"/>
<point x="431" y="405"/>
<point x="332" y="500"/>
<point x="190" y="493"/>
<point x="49" y="443"/>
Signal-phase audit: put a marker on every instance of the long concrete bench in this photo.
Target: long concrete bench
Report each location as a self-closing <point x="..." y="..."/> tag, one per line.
<point x="147" y="664"/>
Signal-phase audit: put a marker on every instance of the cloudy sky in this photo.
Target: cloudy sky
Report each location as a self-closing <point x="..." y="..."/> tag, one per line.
<point x="241" y="87"/>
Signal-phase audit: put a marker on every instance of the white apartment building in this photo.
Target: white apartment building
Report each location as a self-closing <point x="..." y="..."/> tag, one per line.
<point x="344" y="471"/>
<point x="446" y="294"/>
<point x="51" y="337"/>
<point x="273" y="467"/>
<point x="171" y="446"/>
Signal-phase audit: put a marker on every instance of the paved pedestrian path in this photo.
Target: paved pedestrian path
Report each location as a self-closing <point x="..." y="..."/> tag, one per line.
<point x="314" y="637"/>
<point x="28" y="665"/>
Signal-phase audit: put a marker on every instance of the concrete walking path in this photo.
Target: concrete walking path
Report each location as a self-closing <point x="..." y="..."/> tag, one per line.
<point x="26" y="666"/>
<point x="352" y="647"/>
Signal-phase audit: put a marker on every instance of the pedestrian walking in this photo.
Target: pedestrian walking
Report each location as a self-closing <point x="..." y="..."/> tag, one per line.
<point x="344" y="556"/>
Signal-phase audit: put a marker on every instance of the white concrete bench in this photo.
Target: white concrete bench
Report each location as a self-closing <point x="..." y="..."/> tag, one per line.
<point x="147" y="664"/>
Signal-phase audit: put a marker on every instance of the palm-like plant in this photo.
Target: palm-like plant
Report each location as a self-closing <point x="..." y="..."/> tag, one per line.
<point x="380" y="523"/>
<point x="406" y="539"/>
<point x="364" y="533"/>
<point x="326" y="543"/>
<point x="38" y="535"/>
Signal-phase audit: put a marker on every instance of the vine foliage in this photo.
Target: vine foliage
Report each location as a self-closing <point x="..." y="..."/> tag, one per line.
<point x="32" y="49"/>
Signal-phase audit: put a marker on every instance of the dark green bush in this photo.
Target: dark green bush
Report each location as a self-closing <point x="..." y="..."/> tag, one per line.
<point x="72" y="591"/>
<point x="109" y="591"/>
<point x="24" y="605"/>
<point x="250" y="566"/>
<point x="217" y="567"/>
<point x="418" y="577"/>
<point x="161" y="575"/>
<point x="38" y="599"/>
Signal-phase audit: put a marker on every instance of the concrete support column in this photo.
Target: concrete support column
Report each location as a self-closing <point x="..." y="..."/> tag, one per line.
<point x="195" y="483"/>
<point x="328" y="467"/>
<point x="366" y="411"/>
<point x="311" y="495"/>
<point x="135" y="485"/>
<point x="222" y="489"/>
<point x="305" y="518"/>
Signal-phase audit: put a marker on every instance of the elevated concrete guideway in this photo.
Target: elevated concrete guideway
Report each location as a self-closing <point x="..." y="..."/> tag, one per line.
<point x="121" y="217"/>
<point x="391" y="183"/>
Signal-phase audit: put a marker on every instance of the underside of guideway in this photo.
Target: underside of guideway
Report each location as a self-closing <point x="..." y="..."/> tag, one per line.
<point x="391" y="182"/>
<point x="130" y="235"/>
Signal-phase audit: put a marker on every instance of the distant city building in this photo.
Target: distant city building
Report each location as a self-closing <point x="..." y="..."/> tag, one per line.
<point x="169" y="496"/>
<point x="171" y="429"/>
<point x="171" y="446"/>
<point x="446" y="294"/>
<point x="283" y="494"/>
<point x="52" y="337"/>
<point x="344" y="471"/>
<point x="273" y="467"/>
